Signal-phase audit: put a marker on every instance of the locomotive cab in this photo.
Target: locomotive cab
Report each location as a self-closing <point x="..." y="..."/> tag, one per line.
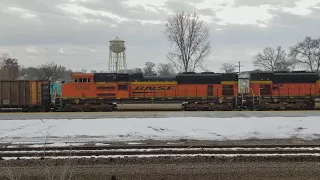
<point x="82" y="78"/>
<point x="82" y="84"/>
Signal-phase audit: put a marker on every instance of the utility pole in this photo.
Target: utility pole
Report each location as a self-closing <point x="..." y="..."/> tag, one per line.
<point x="239" y="66"/>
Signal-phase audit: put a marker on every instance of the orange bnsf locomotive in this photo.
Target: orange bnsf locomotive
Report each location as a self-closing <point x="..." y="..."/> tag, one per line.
<point x="102" y="91"/>
<point x="194" y="91"/>
<point x="298" y="90"/>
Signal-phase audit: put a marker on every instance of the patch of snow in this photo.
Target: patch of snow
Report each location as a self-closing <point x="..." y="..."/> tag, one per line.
<point x="161" y="149"/>
<point x="170" y="143"/>
<point x="135" y="143"/>
<point x="101" y="144"/>
<point x="57" y="144"/>
<point x="60" y="132"/>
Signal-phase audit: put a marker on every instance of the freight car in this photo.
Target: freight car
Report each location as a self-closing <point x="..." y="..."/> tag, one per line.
<point x="193" y="91"/>
<point x="25" y="96"/>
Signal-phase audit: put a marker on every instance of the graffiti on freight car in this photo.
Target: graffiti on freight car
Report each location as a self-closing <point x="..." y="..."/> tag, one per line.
<point x="80" y="88"/>
<point x="154" y="88"/>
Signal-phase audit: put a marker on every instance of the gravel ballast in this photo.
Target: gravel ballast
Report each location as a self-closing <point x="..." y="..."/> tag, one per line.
<point x="165" y="168"/>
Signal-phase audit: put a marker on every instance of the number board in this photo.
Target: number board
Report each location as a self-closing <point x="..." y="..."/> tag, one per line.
<point x="80" y="88"/>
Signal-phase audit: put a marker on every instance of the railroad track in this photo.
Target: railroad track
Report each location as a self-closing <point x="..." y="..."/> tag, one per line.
<point x="154" y="151"/>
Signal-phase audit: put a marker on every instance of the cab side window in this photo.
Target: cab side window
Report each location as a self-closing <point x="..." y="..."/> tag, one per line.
<point x="82" y="80"/>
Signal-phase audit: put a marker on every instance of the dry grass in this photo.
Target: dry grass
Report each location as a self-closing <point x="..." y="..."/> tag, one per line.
<point x="15" y="173"/>
<point x="24" y="173"/>
<point x="47" y="170"/>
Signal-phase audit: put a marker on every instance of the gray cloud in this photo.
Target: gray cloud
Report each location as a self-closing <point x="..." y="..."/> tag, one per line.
<point x="36" y="31"/>
<point x="286" y="3"/>
<point x="180" y="5"/>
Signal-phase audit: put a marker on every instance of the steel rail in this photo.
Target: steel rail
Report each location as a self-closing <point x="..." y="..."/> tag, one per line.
<point x="115" y="147"/>
<point x="172" y="151"/>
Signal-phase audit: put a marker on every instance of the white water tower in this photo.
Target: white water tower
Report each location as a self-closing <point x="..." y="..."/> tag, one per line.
<point x="117" y="56"/>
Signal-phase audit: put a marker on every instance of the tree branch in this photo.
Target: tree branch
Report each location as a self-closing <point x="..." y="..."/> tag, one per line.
<point x="190" y="38"/>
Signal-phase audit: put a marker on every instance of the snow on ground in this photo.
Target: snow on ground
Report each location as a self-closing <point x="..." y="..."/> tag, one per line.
<point x="62" y="131"/>
<point x="55" y="144"/>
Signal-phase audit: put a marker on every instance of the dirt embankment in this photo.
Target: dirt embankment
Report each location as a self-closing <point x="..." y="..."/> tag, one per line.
<point x="164" y="168"/>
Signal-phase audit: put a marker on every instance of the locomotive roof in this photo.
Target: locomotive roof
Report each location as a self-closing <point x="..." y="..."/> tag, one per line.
<point x="159" y="78"/>
<point x="210" y="77"/>
<point x="180" y="74"/>
<point x="285" y="77"/>
<point x="284" y="72"/>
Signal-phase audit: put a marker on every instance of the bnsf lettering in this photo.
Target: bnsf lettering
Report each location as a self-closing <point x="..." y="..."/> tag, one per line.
<point x="154" y="88"/>
<point x="79" y="88"/>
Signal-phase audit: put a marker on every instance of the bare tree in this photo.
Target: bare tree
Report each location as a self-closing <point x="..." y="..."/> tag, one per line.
<point x="4" y="74"/>
<point x="273" y="60"/>
<point x="307" y="54"/>
<point x="165" y="69"/>
<point x="317" y="54"/>
<point x="51" y="71"/>
<point x="84" y="70"/>
<point x="4" y="56"/>
<point x="30" y="73"/>
<point x="135" y="70"/>
<point x="190" y="39"/>
<point x="9" y="67"/>
<point x="93" y="71"/>
<point x="228" y="68"/>
<point x="149" y="68"/>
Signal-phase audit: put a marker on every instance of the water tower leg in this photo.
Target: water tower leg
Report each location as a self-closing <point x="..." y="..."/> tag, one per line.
<point x="110" y="61"/>
<point x="117" y="62"/>
<point x="124" y="62"/>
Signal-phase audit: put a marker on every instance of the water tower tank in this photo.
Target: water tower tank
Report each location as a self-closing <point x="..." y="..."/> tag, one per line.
<point x="117" y="56"/>
<point x="117" y="45"/>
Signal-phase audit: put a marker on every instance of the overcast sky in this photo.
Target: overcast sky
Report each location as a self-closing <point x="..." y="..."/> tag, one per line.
<point x="76" y="33"/>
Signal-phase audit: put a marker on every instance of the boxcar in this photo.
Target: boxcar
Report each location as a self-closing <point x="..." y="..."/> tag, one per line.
<point x="25" y="95"/>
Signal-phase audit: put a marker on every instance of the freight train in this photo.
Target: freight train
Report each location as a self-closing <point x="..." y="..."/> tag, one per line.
<point x="297" y="90"/>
